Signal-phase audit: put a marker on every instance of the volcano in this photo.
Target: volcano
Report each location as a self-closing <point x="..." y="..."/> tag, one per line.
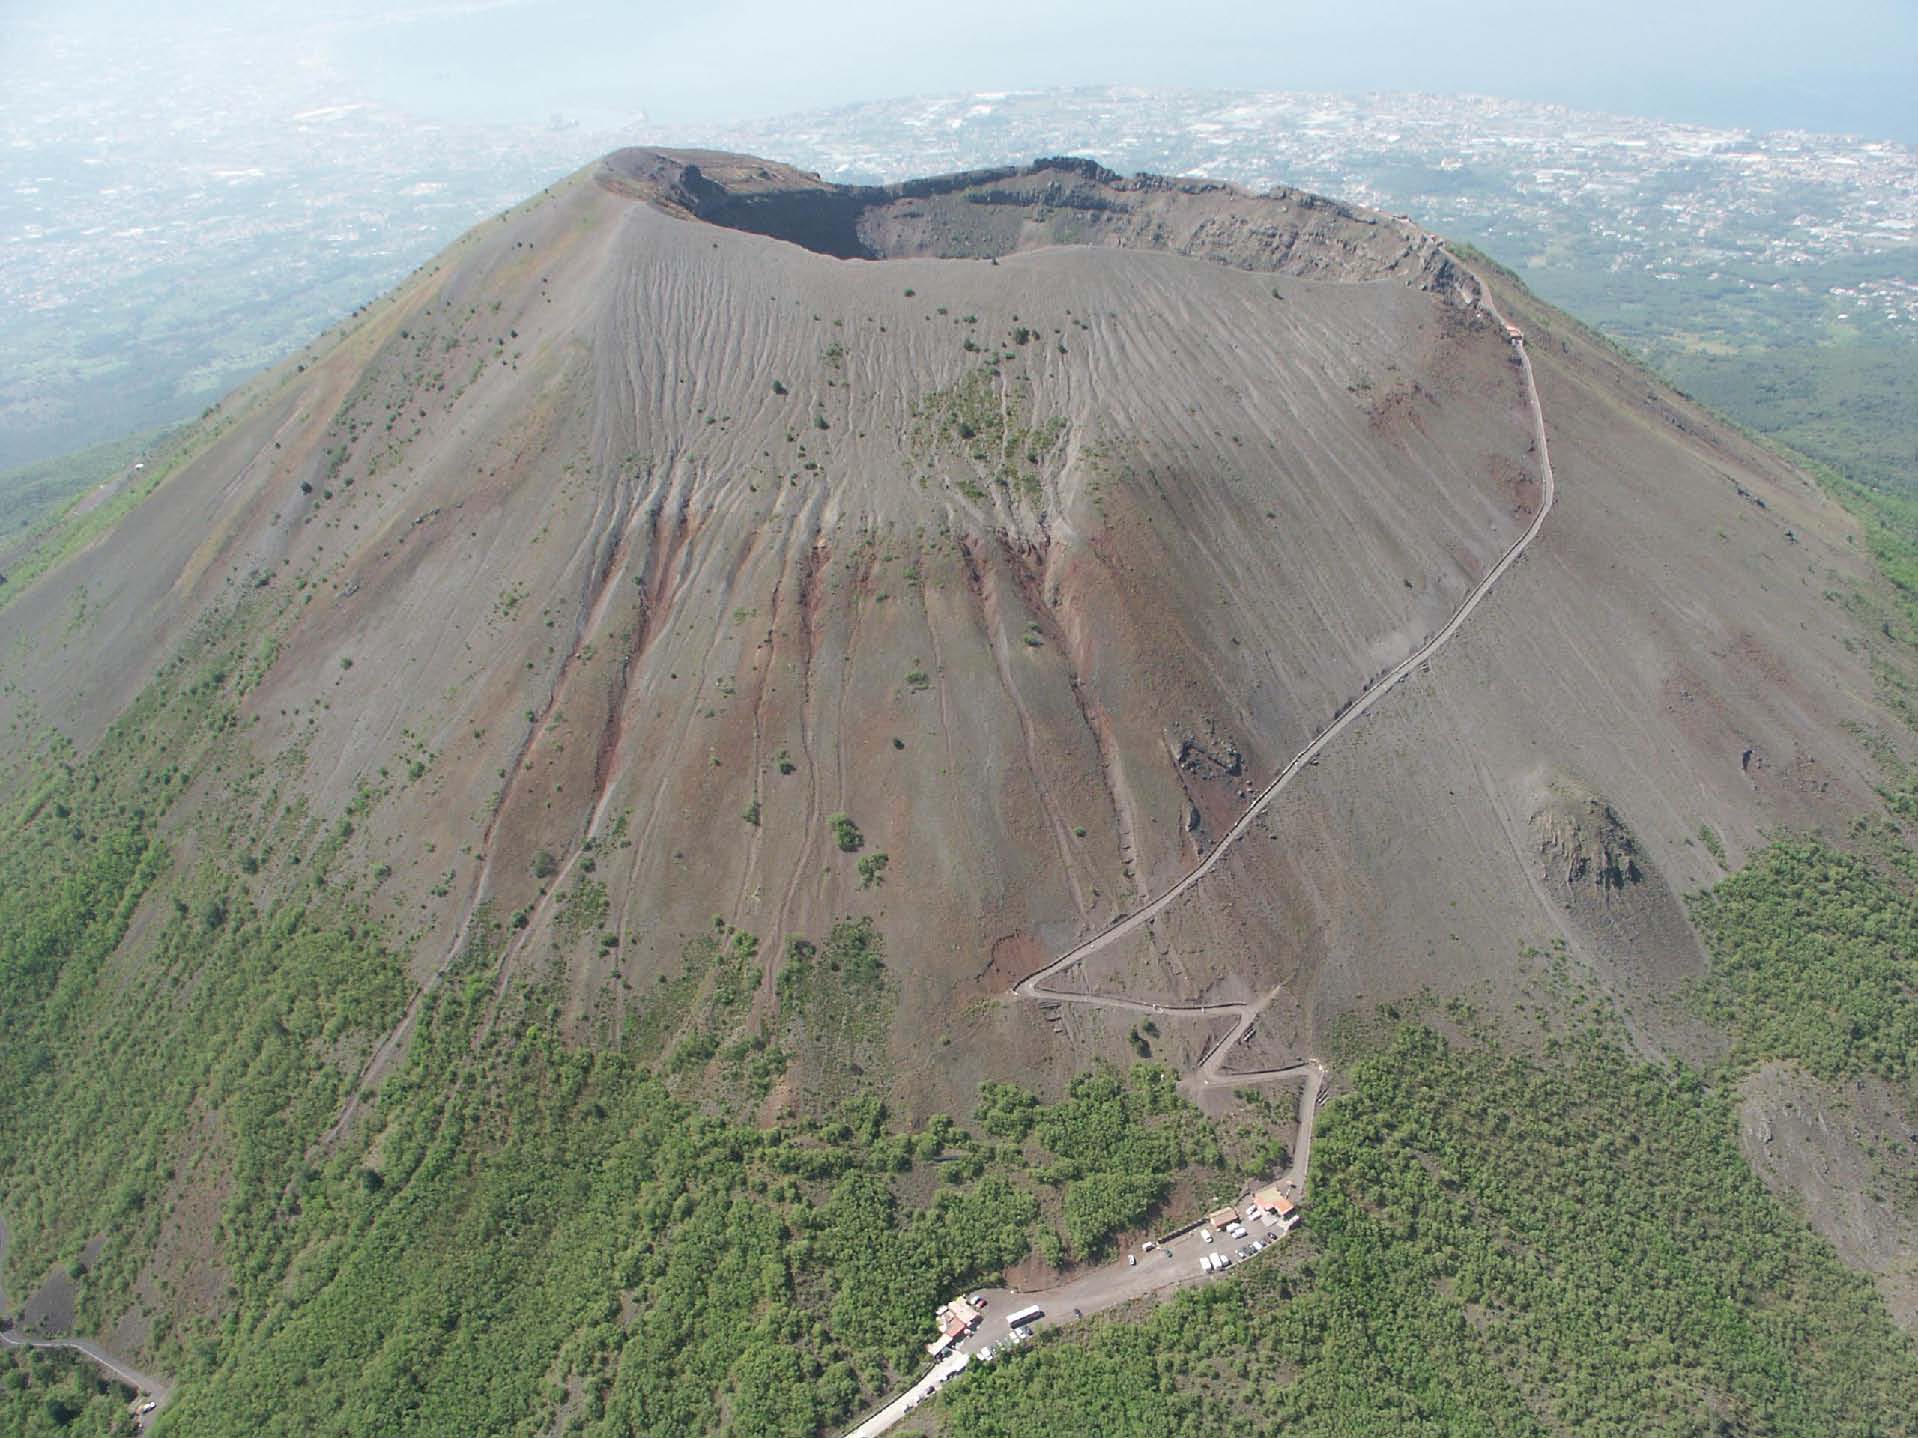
<point x="702" y="575"/>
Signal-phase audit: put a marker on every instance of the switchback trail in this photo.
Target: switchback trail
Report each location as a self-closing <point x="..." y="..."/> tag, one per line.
<point x="1211" y="1072"/>
<point x="1116" y="1283"/>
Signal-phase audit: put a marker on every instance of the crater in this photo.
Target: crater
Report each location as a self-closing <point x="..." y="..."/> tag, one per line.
<point x="1060" y="200"/>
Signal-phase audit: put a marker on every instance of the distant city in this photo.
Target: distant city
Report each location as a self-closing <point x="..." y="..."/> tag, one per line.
<point x="136" y="288"/>
<point x="156" y="250"/>
<point x="1540" y="186"/>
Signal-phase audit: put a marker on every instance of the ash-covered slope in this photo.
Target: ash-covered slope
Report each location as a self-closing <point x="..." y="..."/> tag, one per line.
<point x="635" y="553"/>
<point x="1670" y="672"/>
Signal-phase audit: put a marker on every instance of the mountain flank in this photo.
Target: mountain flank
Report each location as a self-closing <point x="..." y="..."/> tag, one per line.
<point x="1028" y="547"/>
<point x="729" y="630"/>
<point x="630" y="526"/>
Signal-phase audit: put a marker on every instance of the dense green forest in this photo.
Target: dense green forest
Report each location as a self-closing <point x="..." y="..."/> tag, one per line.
<point x="1815" y="959"/>
<point x="1848" y="405"/>
<point x="56" y="1395"/>
<point x="546" y="1230"/>
<point x="1498" y="1245"/>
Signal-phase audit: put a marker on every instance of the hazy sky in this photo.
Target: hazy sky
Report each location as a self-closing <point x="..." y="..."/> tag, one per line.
<point x="1839" y="64"/>
<point x="1833" y="65"/>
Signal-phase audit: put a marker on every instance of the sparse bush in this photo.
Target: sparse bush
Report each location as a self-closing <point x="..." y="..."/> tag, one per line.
<point x="846" y="834"/>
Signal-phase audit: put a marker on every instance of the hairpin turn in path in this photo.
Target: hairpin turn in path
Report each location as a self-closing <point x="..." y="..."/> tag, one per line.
<point x="1211" y="1072"/>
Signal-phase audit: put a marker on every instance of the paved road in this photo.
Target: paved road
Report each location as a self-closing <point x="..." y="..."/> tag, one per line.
<point x="902" y="1404"/>
<point x="1176" y="1263"/>
<point x="149" y="1385"/>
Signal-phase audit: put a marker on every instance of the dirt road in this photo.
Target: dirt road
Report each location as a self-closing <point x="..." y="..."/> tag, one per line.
<point x="149" y="1385"/>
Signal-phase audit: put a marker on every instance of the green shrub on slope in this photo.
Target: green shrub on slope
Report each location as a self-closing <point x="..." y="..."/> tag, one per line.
<point x="1815" y="958"/>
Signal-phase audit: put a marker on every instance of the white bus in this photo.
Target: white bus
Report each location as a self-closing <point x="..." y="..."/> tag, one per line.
<point x="1024" y="1316"/>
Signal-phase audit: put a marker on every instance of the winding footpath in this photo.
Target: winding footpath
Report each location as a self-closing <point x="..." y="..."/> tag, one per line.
<point x="1170" y="1264"/>
<point x="1212" y="1073"/>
